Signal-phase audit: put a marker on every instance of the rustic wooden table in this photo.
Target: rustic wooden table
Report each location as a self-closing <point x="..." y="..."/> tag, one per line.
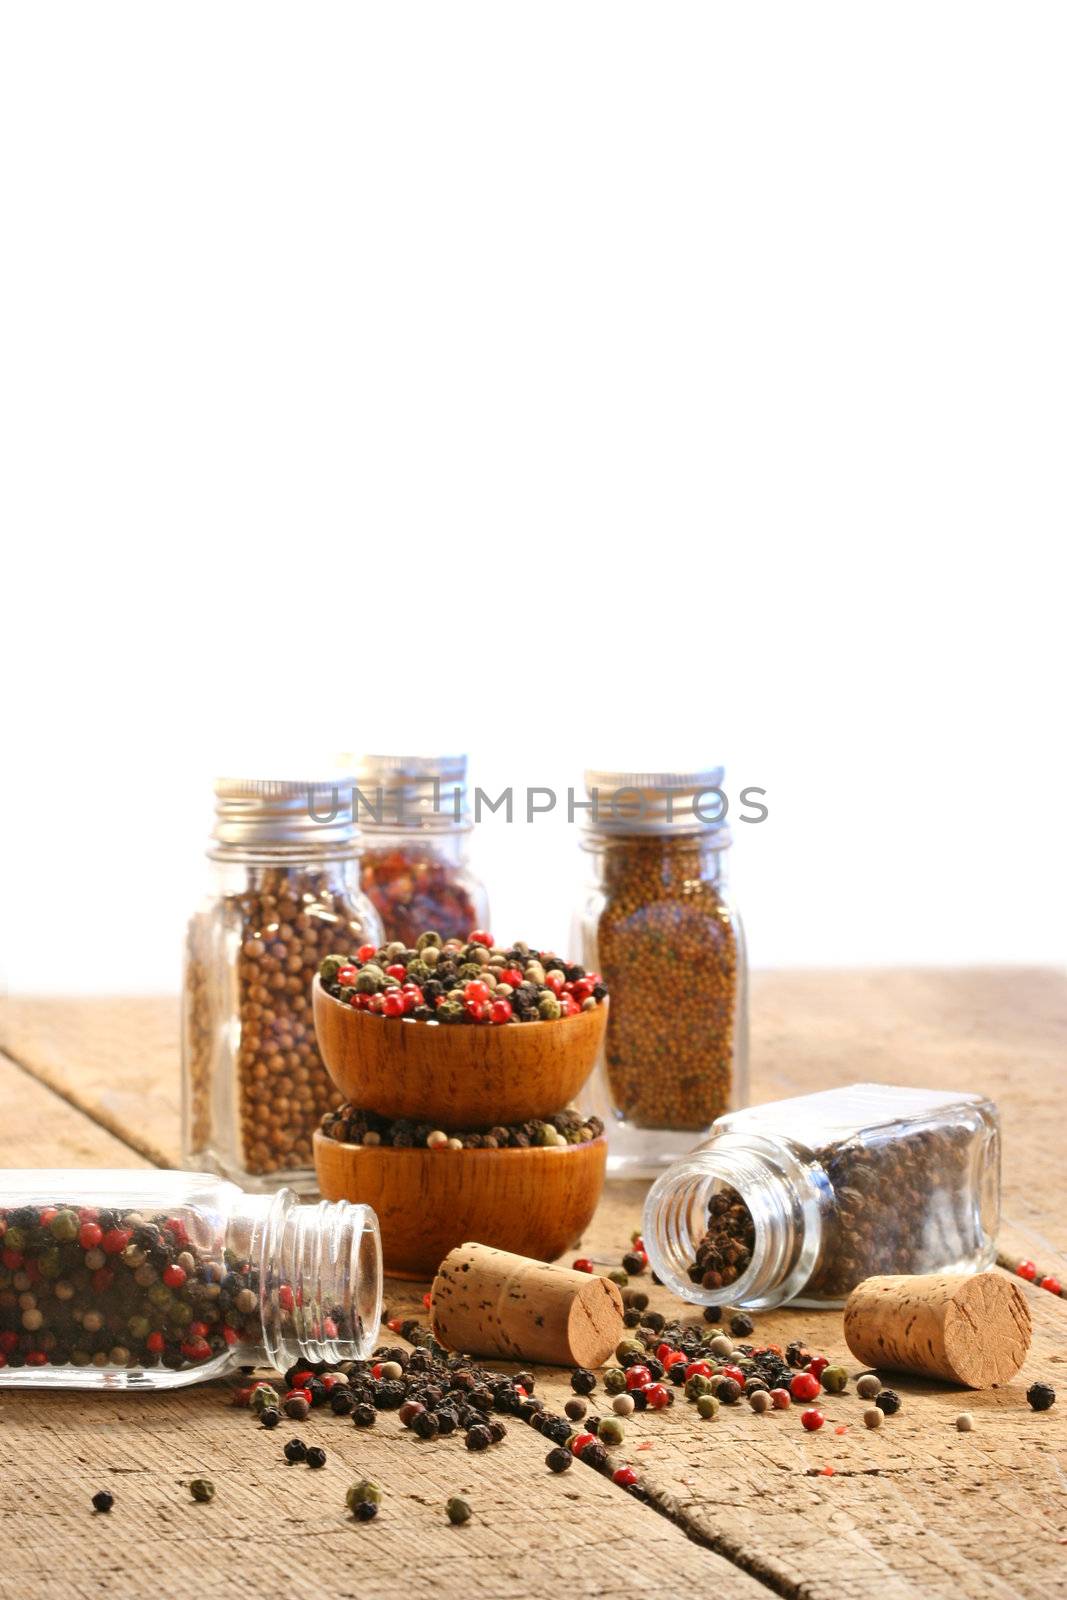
<point x="741" y="1506"/>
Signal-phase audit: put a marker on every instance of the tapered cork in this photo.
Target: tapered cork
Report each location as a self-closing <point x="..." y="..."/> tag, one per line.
<point x="974" y="1331"/>
<point x="492" y="1303"/>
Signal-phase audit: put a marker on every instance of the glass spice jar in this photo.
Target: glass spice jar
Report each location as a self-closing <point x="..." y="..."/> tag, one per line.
<point x="804" y="1198"/>
<point x="660" y="927"/>
<point x="415" y="817"/>
<point x="285" y="894"/>
<point x="151" y="1280"/>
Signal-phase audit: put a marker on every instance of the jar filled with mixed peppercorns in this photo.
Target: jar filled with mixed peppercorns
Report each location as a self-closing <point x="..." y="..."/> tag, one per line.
<point x="804" y="1198"/>
<point x="148" y="1279"/>
<point x="285" y="858"/>
<point x="659" y="925"/>
<point x="415" y="817"/>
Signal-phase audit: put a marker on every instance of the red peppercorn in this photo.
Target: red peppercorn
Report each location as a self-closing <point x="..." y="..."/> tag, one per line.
<point x="299" y="1394"/>
<point x="673" y="1359"/>
<point x="101" y="1280"/>
<point x="567" y="1006"/>
<point x="812" y="1420"/>
<point x="625" y="1477"/>
<point x="285" y="1297"/>
<point x="818" y="1365"/>
<point x="554" y="981"/>
<point x="115" y="1241"/>
<point x="13" y="1259"/>
<point x="395" y="1324"/>
<point x="427" y="1300"/>
<point x="805" y="1386"/>
<point x="394" y="1004"/>
<point x="366" y="952"/>
<point x="90" y="1235"/>
<point x="511" y="976"/>
<point x="230" y="1335"/>
<point x="36" y="1358"/>
<point x="780" y="1399"/>
<point x="582" y="990"/>
<point x="47" y="1215"/>
<point x="376" y="1370"/>
<point x="1027" y="1270"/>
<point x="500" y="1011"/>
<point x="8" y="1340"/>
<point x="578" y="1444"/>
<point x="638" y="1377"/>
<point x="346" y="976"/>
<point x="657" y="1395"/>
<point x="479" y="936"/>
<point x="174" y="1276"/>
<point x="1052" y="1285"/>
<point x="698" y="1369"/>
<point x="583" y="1263"/>
<point x="737" y="1375"/>
<point x="155" y="1342"/>
<point x="475" y="990"/>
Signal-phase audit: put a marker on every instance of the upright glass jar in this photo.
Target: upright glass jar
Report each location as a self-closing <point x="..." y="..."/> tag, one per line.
<point x="149" y="1280"/>
<point x="285" y="894"/>
<point x="416" y="820"/>
<point x="659" y="925"/>
<point x="803" y="1199"/>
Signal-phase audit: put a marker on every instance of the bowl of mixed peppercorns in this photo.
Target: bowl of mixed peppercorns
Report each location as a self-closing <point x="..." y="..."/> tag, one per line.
<point x="462" y="1034"/>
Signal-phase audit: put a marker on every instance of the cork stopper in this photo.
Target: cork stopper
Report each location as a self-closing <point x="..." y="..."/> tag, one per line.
<point x="974" y="1331"/>
<point x="492" y="1303"/>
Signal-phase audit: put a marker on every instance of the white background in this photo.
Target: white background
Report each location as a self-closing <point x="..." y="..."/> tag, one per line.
<point x="570" y="383"/>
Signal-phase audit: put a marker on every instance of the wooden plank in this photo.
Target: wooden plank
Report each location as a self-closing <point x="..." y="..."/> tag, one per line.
<point x="274" y="1531"/>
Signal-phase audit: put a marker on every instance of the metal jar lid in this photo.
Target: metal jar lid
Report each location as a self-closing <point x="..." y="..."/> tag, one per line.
<point x="425" y="792"/>
<point x="257" y="816"/>
<point x="656" y="803"/>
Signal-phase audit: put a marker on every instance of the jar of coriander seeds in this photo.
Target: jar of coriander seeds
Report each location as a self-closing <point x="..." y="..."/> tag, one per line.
<point x="416" y="823"/>
<point x="658" y="923"/>
<point x="284" y="893"/>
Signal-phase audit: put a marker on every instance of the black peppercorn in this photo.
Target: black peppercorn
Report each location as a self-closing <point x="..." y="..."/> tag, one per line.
<point x="295" y="1450"/>
<point x="478" y="1437"/>
<point x="634" y="1263"/>
<point x="713" y="1313"/>
<point x="741" y="1325"/>
<point x="364" y="1415"/>
<point x="1040" y="1396"/>
<point x="556" y="1429"/>
<point x="102" y="1501"/>
<point x="631" y="1319"/>
<point x="426" y="1425"/>
<point x="594" y="1455"/>
<point x="365" y="1510"/>
<point x="497" y="1431"/>
<point x="316" y="1457"/>
<point x="446" y="1421"/>
<point x="888" y="1402"/>
<point x="269" y="1417"/>
<point x="342" y="1401"/>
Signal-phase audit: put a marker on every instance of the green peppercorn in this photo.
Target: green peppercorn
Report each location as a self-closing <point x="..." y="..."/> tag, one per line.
<point x="457" y="1511"/>
<point x="64" y="1226"/>
<point x="329" y="967"/>
<point x="628" y="1347"/>
<point x="834" y="1380"/>
<point x="614" y="1380"/>
<point x="549" y="1008"/>
<point x="428" y="938"/>
<point x="262" y="1397"/>
<point x="707" y="1406"/>
<point x="202" y="1489"/>
<point x="611" y="1431"/>
<point x="363" y="1493"/>
<point x="619" y="1276"/>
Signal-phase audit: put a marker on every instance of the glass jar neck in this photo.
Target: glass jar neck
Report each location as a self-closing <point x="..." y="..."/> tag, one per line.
<point x="448" y="844"/>
<point x="786" y="1194"/>
<point x="319" y="1276"/>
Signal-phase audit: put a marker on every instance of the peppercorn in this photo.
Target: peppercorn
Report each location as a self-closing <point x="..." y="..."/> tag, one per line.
<point x="497" y="1431"/>
<point x="631" y="1319"/>
<point x="965" y="1422"/>
<point x="805" y="1386"/>
<point x="707" y="1406"/>
<point x="297" y="1408"/>
<point x="741" y="1325"/>
<point x="364" y="1415"/>
<point x="269" y="1417"/>
<point x="1041" y="1396"/>
<point x="868" y="1386"/>
<point x="760" y="1401"/>
<point x="634" y="1263"/>
<point x="594" y="1455"/>
<point x="363" y="1493"/>
<point x="873" y="1417"/>
<point x="426" y="1425"/>
<point x="202" y="1489"/>
<point x="342" y="1401"/>
<point x="834" y="1380"/>
<point x="697" y="1385"/>
<point x="457" y="1511"/>
<point x="611" y="1431"/>
<point x="623" y="1405"/>
<point x="103" y="1501"/>
<point x="583" y="1381"/>
<point x="365" y="1510"/>
<point x="722" y="1347"/>
<point x="812" y="1420"/>
<point x="294" y="1450"/>
<point x="614" y="1380"/>
<point x="478" y="1438"/>
<point x="888" y="1402"/>
<point x="558" y="1459"/>
<point x="727" y="1391"/>
<point x="576" y="1409"/>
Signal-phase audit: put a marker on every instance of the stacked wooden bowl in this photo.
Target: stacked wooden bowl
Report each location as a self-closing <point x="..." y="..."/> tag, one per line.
<point x="535" y="1202"/>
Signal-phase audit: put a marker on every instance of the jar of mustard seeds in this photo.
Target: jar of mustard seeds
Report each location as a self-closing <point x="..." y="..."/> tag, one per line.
<point x="658" y="923"/>
<point x="284" y="894"/>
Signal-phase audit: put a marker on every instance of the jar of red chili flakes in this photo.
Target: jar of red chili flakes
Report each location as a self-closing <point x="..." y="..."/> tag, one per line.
<point x="285" y="894"/>
<point x="659" y="925"/>
<point x="416" y="822"/>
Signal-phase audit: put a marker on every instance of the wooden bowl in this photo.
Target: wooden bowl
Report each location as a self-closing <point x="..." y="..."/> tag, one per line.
<point x="536" y="1202"/>
<point x="456" y="1077"/>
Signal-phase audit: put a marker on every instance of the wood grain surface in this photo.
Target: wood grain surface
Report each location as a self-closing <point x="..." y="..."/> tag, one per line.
<point x="745" y="1505"/>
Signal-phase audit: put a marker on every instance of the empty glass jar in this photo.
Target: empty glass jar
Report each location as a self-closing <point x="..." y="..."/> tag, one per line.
<point x="285" y="893"/>
<point x="659" y="925"/>
<point x="416" y="822"/>
<point x="804" y="1198"/>
<point x="149" y="1280"/>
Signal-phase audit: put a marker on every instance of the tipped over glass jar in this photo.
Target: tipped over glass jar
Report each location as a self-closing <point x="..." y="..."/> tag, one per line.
<point x="802" y="1199"/>
<point x="150" y="1280"/>
<point x="659" y="925"/>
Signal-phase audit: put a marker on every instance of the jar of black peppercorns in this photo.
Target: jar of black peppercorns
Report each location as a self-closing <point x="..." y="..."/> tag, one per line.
<point x="415" y="817"/>
<point x="802" y="1199"/>
<point x="660" y="927"/>
<point x="285" y="894"/>
<point x="148" y="1279"/>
